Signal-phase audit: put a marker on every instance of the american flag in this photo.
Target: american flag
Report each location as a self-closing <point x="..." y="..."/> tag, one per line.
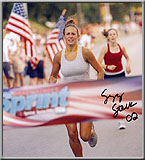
<point x="18" y="23"/>
<point x="84" y="102"/>
<point x="55" y="42"/>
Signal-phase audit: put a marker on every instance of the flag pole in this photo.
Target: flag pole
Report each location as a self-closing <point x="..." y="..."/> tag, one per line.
<point x="55" y="42"/>
<point x="63" y="12"/>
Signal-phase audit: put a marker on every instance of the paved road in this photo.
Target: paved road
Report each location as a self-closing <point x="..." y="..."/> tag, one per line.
<point x="52" y="141"/>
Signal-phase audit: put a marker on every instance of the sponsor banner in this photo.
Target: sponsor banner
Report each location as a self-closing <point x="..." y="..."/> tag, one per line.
<point x="61" y="103"/>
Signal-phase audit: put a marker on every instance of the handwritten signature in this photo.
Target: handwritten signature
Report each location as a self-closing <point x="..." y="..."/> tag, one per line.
<point x="119" y="108"/>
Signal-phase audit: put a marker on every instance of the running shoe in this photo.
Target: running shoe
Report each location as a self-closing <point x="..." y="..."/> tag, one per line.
<point x="122" y="125"/>
<point x="93" y="139"/>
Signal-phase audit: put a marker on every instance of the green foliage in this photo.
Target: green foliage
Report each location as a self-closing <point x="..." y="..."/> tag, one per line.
<point x="41" y="12"/>
<point x="88" y="9"/>
<point x="6" y="9"/>
<point x="119" y="10"/>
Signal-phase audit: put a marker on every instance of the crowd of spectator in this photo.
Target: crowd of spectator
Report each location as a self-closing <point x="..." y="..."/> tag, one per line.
<point x="16" y="66"/>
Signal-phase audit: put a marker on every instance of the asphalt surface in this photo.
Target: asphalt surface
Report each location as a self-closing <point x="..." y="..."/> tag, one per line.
<point x="52" y="141"/>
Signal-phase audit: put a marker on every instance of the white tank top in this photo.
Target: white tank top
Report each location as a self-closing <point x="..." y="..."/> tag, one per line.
<point x="39" y="52"/>
<point x="76" y="70"/>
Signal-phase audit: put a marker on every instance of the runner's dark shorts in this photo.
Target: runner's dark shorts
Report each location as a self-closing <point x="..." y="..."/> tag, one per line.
<point x="38" y="72"/>
<point x="6" y="69"/>
<point x="114" y="76"/>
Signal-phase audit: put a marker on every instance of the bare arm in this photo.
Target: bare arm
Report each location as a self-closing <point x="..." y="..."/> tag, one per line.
<point x="90" y="58"/>
<point x="55" y="68"/>
<point x="101" y="57"/>
<point x="128" y="69"/>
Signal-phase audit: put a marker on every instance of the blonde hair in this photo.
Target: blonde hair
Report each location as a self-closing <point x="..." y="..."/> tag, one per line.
<point x="72" y="21"/>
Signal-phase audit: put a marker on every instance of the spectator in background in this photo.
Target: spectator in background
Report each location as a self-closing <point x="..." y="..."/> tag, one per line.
<point x="37" y="75"/>
<point x="139" y="21"/>
<point x="7" y="70"/>
<point x="85" y="39"/>
<point x="4" y="77"/>
<point x="112" y="55"/>
<point x="21" y="61"/>
<point x="15" y="40"/>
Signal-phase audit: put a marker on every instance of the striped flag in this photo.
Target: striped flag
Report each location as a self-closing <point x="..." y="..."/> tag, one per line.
<point x="73" y="102"/>
<point x="18" y="23"/>
<point x="55" y="42"/>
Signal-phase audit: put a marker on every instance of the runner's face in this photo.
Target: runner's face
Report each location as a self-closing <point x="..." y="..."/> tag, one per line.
<point x="71" y="36"/>
<point x="112" y="36"/>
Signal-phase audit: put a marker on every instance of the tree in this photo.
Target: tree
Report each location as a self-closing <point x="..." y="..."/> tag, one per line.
<point x="50" y="11"/>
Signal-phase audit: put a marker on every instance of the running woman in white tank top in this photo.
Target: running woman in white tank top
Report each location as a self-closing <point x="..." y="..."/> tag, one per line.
<point x="74" y="64"/>
<point x="79" y="67"/>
